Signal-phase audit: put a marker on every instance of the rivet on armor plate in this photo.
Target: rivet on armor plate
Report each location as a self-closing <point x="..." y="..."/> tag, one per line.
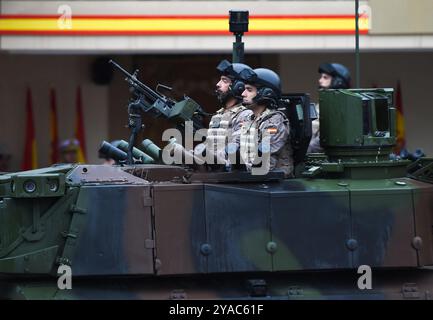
<point x="417" y="243"/>
<point x="343" y="184"/>
<point x="352" y="244"/>
<point x="271" y="247"/>
<point x="158" y="264"/>
<point x="206" y="249"/>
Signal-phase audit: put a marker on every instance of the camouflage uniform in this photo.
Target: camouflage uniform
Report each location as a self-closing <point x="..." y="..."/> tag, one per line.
<point x="314" y="146"/>
<point x="275" y="126"/>
<point x="224" y="128"/>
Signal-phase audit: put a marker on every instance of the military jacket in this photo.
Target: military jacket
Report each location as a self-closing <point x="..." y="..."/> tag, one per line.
<point x="314" y="145"/>
<point x="224" y="127"/>
<point x="271" y="132"/>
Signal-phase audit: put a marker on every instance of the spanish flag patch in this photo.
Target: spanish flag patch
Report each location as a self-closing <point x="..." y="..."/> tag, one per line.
<point x="272" y="130"/>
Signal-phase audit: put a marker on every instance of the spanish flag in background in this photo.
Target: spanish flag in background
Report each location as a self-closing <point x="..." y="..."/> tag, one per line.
<point x="30" y="158"/>
<point x="79" y="129"/>
<point x="401" y="139"/>
<point x="54" y="130"/>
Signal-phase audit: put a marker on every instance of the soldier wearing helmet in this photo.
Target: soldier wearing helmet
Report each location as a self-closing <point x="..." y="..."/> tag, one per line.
<point x="267" y="130"/>
<point x="69" y="151"/>
<point x="224" y="127"/>
<point x="332" y="76"/>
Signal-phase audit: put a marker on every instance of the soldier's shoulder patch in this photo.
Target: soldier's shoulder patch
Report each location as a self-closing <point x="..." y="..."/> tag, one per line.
<point x="272" y="129"/>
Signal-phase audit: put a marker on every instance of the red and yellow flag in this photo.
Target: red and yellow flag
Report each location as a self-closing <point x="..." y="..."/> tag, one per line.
<point x="79" y="129"/>
<point x="183" y="25"/>
<point x="401" y="139"/>
<point x="54" y="134"/>
<point x="30" y="159"/>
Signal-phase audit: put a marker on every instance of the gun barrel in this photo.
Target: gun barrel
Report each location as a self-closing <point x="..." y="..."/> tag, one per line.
<point x="137" y="153"/>
<point x="111" y="151"/>
<point x="117" y="66"/>
<point x="158" y="105"/>
<point x="137" y="83"/>
<point x="152" y="149"/>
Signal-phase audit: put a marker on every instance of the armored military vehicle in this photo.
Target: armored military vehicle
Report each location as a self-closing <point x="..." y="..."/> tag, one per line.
<point x="156" y="231"/>
<point x="355" y="223"/>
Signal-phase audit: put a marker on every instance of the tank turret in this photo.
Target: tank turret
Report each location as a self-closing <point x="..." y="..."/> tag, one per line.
<point x="156" y="227"/>
<point x="358" y="133"/>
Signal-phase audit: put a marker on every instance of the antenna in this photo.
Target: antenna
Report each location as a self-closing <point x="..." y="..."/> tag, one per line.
<point x="238" y="22"/>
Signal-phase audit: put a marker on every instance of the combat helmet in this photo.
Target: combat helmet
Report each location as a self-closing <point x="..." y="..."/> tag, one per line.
<point x="69" y="145"/>
<point x="268" y="86"/>
<point x="232" y="71"/>
<point x="340" y="75"/>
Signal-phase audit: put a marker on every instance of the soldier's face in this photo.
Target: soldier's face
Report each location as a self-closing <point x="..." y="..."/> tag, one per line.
<point x="325" y="81"/>
<point x="70" y="157"/>
<point x="248" y="95"/>
<point x="223" y="85"/>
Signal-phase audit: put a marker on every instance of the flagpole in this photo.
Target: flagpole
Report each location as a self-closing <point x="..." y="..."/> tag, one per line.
<point x="30" y="160"/>
<point x="54" y="155"/>
<point x="357" y="44"/>
<point x="79" y="128"/>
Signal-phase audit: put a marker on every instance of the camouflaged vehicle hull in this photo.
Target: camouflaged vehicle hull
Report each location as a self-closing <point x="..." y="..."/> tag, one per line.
<point x="160" y="232"/>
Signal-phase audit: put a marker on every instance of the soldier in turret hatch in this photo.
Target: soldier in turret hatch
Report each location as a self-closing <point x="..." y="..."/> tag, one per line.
<point x="224" y="127"/>
<point x="332" y="76"/>
<point x="265" y="137"/>
<point x="69" y="151"/>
